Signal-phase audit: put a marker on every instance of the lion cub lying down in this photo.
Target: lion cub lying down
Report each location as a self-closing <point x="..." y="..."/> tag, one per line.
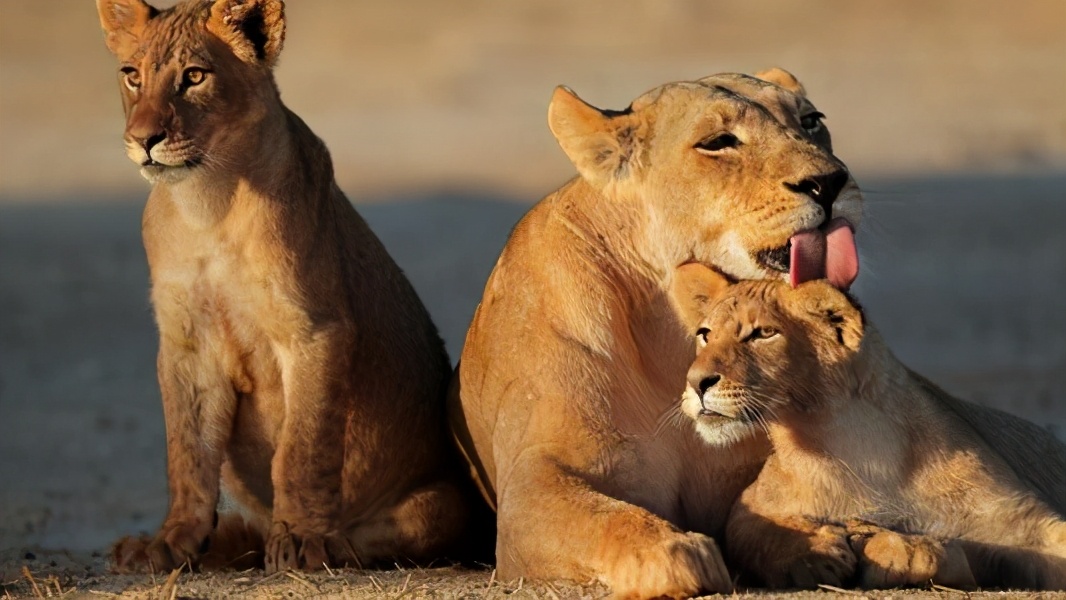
<point x="877" y="475"/>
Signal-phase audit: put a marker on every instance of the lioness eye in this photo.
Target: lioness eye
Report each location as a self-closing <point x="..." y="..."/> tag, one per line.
<point x="701" y="334"/>
<point x="761" y="333"/>
<point x="812" y="122"/>
<point x="718" y="142"/>
<point x="194" y="76"/>
<point x="131" y="77"/>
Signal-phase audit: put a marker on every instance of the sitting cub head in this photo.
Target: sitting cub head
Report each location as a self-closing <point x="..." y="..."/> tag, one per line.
<point x="195" y="80"/>
<point x="765" y="351"/>
<point x="730" y="170"/>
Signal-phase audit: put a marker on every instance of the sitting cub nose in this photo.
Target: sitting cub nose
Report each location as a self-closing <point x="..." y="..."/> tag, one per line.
<point x="706" y="383"/>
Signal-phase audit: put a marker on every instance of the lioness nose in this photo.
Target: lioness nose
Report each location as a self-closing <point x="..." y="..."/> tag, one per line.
<point x="709" y="382"/>
<point x="823" y="188"/>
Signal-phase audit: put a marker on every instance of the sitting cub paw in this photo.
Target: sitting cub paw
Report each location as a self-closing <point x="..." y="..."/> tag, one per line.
<point x="286" y="550"/>
<point x="177" y="543"/>
<point x="679" y="567"/>
<point x="888" y="559"/>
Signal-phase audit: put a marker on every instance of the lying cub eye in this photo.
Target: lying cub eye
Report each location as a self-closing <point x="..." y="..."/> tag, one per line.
<point x="701" y="335"/>
<point x="812" y="122"/>
<point x="194" y="76"/>
<point x="718" y="142"/>
<point x="761" y="333"/>
<point x="131" y="77"/>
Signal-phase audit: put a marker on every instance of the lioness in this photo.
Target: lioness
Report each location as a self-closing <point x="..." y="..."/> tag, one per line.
<point x="863" y="449"/>
<point x="575" y="353"/>
<point x="296" y="363"/>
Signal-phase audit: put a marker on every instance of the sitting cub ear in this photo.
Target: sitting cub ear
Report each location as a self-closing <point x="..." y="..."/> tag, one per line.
<point x="833" y="309"/>
<point x="123" y="21"/>
<point x="605" y="146"/>
<point x="692" y="291"/>
<point x="254" y="29"/>
<point x="783" y="78"/>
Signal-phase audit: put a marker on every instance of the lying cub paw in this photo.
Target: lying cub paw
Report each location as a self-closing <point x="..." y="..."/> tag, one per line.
<point x="286" y="550"/>
<point x="678" y="567"/>
<point x="829" y="560"/>
<point x="888" y="559"/>
<point x="177" y="543"/>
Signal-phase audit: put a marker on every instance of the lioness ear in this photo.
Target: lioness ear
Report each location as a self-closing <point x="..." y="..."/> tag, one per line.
<point x="254" y="29"/>
<point x="833" y="309"/>
<point x="693" y="289"/>
<point x="603" y="145"/>
<point x="783" y="78"/>
<point x="123" y="21"/>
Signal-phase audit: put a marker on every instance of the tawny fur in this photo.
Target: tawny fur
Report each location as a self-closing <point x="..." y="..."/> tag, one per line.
<point x="877" y="475"/>
<point x="565" y="394"/>
<point x="296" y="363"/>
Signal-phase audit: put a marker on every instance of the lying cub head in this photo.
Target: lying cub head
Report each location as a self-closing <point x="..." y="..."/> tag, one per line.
<point x="195" y="80"/>
<point x="730" y="170"/>
<point x="764" y="350"/>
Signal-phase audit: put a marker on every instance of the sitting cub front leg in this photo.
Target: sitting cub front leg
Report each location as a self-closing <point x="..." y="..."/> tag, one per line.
<point x="789" y="551"/>
<point x="198" y="407"/>
<point x="307" y="464"/>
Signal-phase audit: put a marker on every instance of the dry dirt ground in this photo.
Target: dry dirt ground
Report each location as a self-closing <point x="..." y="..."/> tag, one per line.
<point x="950" y="114"/>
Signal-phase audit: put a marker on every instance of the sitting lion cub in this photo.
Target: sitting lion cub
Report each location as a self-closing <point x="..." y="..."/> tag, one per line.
<point x="297" y="365"/>
<point x="863" y="448"/>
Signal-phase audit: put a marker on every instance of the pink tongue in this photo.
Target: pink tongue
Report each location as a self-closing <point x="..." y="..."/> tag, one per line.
<point x="831" y="255"/>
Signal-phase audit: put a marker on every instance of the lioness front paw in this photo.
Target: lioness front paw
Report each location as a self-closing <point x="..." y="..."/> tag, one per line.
<point x="177" y="543"/>
<point x="286" y="550"/>
<point x="678" y="567"/>
<point x="888" y="559"/>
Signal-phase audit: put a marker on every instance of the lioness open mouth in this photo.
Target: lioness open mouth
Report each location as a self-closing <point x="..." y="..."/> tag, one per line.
<point x="826" y="252"/>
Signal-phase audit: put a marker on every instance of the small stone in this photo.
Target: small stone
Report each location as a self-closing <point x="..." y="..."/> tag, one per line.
<point x="30" y="556"/>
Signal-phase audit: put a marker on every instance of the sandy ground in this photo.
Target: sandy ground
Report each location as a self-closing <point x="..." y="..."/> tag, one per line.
<point x="435" y="113"/>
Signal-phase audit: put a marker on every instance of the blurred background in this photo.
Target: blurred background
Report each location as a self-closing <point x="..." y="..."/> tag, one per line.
<point x="951" y="115"/>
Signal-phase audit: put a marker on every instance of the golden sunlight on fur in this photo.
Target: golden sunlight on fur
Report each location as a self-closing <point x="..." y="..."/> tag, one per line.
<point x="564" y="400"/>
<point x="877" y="476"/>
<point x="301" y="376"/>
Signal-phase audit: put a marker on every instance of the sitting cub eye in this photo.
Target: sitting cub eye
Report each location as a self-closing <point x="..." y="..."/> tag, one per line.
<point x="194" y="76"/>
<point x="701" y="336"/>
<point x="718" y="142"/>
<point x="131" y="77"/>
<point x="761" y="333"/>
<point x="812" y="122"/>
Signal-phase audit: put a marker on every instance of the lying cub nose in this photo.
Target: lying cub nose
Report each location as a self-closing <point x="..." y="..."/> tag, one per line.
<point x="823" y="188"/>
<point x="709" y="382"/>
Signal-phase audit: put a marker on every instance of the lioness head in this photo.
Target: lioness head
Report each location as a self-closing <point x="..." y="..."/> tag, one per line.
<point x="765" y="351"/>
<point x="195" y="79"/>
<point x="735" y="171"/>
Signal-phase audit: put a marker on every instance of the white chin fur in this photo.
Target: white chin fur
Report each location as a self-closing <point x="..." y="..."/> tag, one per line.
<point x="726" y="434"/>
<point x="157" y="175"/>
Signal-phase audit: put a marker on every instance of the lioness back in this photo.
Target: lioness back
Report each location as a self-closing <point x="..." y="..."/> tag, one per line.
<point x="301" y="376"/>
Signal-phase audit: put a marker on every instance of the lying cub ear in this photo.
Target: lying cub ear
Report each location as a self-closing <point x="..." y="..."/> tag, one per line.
<point x="123" y="21"/>
<point x="254" y="29"/>
<point x="692" y="291"/>
<point x="833" y="309"/>
<point x="603" y="145"/>
<point x="783" y="78"/>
